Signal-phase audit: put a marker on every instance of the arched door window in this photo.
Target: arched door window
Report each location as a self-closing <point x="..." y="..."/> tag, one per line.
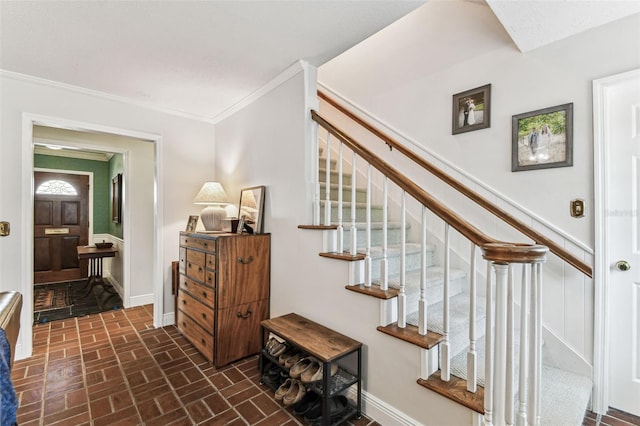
<point x="56" y="187"/>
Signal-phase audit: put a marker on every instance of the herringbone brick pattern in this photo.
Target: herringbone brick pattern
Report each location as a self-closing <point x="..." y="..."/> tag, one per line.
<point x="114" y="368"/>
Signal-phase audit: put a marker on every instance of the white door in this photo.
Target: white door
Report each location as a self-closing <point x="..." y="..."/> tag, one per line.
<point x="623" y="240"/>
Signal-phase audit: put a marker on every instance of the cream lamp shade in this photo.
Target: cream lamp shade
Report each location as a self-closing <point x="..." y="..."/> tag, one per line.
<point x="213" y="196"/>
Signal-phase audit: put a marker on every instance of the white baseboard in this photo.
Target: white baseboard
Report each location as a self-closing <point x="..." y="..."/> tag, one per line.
<point x="380" y="411"/>
<point x="169" y="318"/>
<point x="144" y="299"/>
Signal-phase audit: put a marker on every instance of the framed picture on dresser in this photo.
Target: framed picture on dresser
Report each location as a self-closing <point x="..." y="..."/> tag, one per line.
<point x="251" y="209"/>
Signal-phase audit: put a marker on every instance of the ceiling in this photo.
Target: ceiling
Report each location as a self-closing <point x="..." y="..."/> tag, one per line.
<point x="200" y="58"/>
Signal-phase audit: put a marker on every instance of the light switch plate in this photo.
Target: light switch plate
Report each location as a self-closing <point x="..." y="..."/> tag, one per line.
<point x="577" y="208"/>
<point x="5" y="229"/>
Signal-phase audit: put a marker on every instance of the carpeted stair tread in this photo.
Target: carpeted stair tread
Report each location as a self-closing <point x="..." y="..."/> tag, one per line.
<point x="458" y="315"/>
<point x="435" y="276"/>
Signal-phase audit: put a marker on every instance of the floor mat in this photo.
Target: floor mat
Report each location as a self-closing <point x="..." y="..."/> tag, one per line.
<point x="63" y="300"/>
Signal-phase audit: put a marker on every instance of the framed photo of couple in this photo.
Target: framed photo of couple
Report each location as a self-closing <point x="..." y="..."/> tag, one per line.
<point x="542" y="139"/>
<point x="471" y="110"/>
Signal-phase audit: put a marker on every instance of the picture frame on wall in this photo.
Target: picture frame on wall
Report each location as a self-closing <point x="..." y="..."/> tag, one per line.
<point x="251" y="209"/>
<point x="542" y="139"/>
<point x="116" y="198"/>
<point x="471" y="110"/>
<point x="192" y="223"/>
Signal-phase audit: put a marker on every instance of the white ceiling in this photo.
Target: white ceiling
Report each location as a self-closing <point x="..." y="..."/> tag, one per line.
<point x="199" y="58"/>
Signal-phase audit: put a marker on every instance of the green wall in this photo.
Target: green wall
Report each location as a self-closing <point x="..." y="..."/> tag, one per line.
<point x="115" y="167"/>
<point x="101" y="185"/>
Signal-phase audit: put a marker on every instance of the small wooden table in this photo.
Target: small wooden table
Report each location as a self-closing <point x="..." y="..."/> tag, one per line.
<point x="95" y="256"/>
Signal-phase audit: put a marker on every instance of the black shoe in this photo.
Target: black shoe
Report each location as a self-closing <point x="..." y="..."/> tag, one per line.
<point x="303" y="406"/>
<point x="337" y="406"/>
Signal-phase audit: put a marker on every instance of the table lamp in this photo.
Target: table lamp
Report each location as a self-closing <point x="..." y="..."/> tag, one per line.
<point x="213" y="196"/>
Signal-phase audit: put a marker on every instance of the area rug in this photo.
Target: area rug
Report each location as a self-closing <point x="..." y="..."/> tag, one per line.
<point x="46" y="298"/>
<point x="64" y="300"/>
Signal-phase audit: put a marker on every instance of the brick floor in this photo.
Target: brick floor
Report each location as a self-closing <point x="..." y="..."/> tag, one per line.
<point x="114" y="368"/>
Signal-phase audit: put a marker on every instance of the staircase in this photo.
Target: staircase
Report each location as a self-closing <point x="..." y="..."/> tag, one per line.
<point x="440" y="308"/>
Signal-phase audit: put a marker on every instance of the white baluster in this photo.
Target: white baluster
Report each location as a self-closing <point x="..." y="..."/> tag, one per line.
<point x="340" y="202"/>
<point x="536" y="344"/>
<point x="445" y="361"/>
<point x="315" y="137"/>
<point x="509" y="377"/>
<point x="354" y="229"/>
<point x="422" y="303"/>
<point x="384" y="262"/>
<point x="402" y="297"/>
<point x="489" y="350"/>
<point x="500" y="343"/>
<point x="524" y="350"/>
<point x="472" y="376"/>
<point x="327" y="189"/>
<point x="367" y="258"/>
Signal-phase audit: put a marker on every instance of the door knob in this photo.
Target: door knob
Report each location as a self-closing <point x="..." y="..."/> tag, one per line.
<point x="622" y="265"/>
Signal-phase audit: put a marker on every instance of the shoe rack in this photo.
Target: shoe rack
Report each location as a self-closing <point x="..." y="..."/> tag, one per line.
<point x="314" y="363"/>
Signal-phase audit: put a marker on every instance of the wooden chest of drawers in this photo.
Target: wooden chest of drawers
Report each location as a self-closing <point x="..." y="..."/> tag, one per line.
<point x="223" y="293"/>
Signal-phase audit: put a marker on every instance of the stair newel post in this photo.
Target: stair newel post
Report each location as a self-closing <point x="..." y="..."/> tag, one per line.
<point x="367" y="259"/>
<point x="384" y="262"/>
<point x="472" y="380"/>
<point x="500" y="378"/>
<point x="327" y="189"/>
<point x="340" y="229"/>
<point x="510" y="385"/>
<point x="445" y="364"/>
<point x="489" y="349"/>
<point x="354" y="231"/>
<point x="422" y="303"/>
<point x="524" y="350"/>
<point x="535" y="337"/>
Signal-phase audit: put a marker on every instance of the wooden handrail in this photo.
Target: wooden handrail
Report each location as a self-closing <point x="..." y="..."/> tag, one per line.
<point x="466" y="191"/>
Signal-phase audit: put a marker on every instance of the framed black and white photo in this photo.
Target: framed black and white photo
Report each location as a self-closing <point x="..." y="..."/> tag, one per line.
<point x="471" y="110"/>
<point x="542" y="139"/>
<point x="192" y="223"/>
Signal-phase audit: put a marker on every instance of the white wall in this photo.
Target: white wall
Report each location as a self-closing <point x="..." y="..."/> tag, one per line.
<point x="187" y="161"/>
<point x="405" y="76"/>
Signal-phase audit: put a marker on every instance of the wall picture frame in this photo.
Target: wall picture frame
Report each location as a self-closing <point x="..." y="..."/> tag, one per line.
<point x="251" y="209"/>
<point x="116" y="198"/>
<point x="542" y="139"/>
<point x="471" y="110"/>
<point x="192" y="223"/>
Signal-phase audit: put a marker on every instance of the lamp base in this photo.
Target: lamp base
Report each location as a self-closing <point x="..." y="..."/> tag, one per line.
<point x="213" y="218"/>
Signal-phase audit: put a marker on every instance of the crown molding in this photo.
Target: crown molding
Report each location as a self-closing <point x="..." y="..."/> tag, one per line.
<point x="90" y="92"/>
<point x="280" y="79"/>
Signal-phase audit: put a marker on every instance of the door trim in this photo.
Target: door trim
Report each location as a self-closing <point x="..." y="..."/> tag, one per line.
<point x="601" y="87"/>
<point x="28" y="121"/>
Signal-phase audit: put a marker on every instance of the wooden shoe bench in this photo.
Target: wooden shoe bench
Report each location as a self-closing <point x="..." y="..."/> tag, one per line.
<point x="328" y="347"/>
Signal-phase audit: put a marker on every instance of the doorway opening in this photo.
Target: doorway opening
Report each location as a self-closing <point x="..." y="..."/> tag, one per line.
<point x="142" y="275"/>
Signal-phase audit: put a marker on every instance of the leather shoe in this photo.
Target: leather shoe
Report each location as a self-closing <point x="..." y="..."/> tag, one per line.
<point x="301" y="407"/>
<point x="337" y="406"/>
<point x="283" y="389"/>
<point x="295" y="393"/>
<point x="314" y="372"/>
<point x="300" y="366"/>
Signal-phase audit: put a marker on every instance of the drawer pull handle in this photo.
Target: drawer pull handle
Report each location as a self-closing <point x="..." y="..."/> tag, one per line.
<point x="245" y="316"/>
<point x="203" y="342"/>
<point x="204" y="294"/>
<point x="184" y="324"/>
<point x="205" y="244"/>
<point x="245" y="262"/>
<point x="204" y="316"/>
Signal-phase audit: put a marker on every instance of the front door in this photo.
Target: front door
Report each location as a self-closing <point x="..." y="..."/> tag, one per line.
<point x="622" y="214"/>
<point x="60" y="212"/>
